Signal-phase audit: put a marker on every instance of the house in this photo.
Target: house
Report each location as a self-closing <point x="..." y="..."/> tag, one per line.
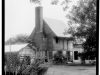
<point x="49" y="37"/>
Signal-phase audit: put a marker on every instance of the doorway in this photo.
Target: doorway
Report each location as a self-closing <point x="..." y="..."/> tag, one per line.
<point x="69" y="56"/>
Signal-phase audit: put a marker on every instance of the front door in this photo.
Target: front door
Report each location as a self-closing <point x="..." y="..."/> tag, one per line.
<point x="69" y="56"/>
<point x="46" y="56"/>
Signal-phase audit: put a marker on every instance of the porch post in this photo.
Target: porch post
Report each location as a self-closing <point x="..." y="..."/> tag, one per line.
<point x="50" y="55"/>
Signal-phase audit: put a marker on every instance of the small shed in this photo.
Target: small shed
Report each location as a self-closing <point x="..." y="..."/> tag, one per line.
<point x="29" y="52"/>
<point x="14" y="47"/>
<point x="22" y="50"/>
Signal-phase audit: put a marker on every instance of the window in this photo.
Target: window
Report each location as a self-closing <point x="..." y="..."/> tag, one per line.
<point x="56" y="40"/>
<point x="76" y="55"/>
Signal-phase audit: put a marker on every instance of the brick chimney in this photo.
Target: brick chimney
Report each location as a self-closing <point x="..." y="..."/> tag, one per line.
<point x="39" y="19"/>
<point x="38" y="36"/>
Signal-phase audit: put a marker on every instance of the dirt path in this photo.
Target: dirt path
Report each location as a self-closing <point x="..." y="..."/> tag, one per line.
<point x="71" y="70"/>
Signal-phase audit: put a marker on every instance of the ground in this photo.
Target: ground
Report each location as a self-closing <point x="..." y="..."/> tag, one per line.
<point x="71" y="70"/>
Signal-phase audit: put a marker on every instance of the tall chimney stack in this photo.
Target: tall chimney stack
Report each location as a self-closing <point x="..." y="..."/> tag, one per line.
<point x="39" y="19"/>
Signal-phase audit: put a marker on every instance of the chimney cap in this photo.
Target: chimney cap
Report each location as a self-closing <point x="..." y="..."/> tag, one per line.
<point x="39" y="7"/>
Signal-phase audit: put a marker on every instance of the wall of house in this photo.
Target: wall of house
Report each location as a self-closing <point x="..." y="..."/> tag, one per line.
<point x="79" y="51"/>
<point x="49" y="35"/>
<point x="59" y="45"/>
<point x="63" y="44"/>
<point x="70" y="45"/>
<point x="27" y="52"/>
<point x="38" y="40"/>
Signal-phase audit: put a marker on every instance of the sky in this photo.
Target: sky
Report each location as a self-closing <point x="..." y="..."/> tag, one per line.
<point x="20" y="15"/>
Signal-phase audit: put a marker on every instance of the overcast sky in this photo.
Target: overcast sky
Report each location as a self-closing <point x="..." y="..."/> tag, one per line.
<point x="20" y="16"/>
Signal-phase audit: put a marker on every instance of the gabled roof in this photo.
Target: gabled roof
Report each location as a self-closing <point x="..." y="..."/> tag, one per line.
<point x="26" y="51"/>
<point x="15" y="47"/>
<point x="57" y="26"/>
<point x="32" y="34"/>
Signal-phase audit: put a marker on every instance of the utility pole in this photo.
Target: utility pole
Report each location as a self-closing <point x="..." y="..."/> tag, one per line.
<point x="10" y="45"/>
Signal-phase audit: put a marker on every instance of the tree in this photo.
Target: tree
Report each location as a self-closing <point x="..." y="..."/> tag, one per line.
<point x="82" y="22"/>
<point x="21" y="38"/>
<point x="54" y="2"/>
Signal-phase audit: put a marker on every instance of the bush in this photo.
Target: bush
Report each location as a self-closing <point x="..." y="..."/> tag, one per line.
<point x="14" y="65"/>
<point x="34" y="68"/>
<point x="42" y="70"/>
<point x="11" y="62"/>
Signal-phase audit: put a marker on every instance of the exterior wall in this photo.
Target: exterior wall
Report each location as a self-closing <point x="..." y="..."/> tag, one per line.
<point x="27" y="52"/>
<point x="50" y="46"/>
<point x="65" y="44"/>
<point x="61" y="45"/>
<point x="38" y="40"/>
<point x="49" y="35"/>
<point x="70" y="45"/>
<point x="40" y="55"/>
<point x="64" y="53"/>
<point x="79" y="51"/>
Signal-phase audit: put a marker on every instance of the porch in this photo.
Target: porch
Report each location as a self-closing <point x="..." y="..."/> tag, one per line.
<point x="68" y="56"/>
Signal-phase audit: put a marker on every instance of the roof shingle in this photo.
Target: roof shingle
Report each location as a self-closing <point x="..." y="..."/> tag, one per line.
<point x="57" y="26"/>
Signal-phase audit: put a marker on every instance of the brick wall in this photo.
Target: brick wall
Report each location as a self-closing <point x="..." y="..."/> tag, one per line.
<point x="49" y="34"/>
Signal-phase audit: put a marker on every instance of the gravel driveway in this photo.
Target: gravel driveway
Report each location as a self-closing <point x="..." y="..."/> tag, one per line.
<point x="71" y="70"/>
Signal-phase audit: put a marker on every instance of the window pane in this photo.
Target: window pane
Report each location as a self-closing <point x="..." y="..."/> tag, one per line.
<point x="76" y="55"/>
<point x="56" y="40"/>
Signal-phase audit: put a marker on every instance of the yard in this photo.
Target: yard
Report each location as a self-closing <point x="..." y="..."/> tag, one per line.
<point x="71" y="70"/>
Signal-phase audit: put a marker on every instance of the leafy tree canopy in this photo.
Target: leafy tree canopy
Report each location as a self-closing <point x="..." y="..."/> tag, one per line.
<point x="54" y="2"/>
<point x="82" y="22"/>
<point x="21" y="38"/>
